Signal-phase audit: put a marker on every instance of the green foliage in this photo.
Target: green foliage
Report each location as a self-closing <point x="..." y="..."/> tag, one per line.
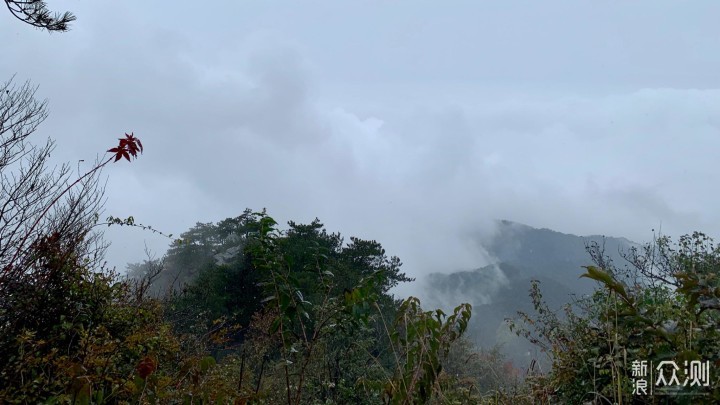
<point x="298" y="317"/>
<point x="305" y="326"/>
<point x="288" y="317"/>
<point x="669" y="312"/>
<point x="233" y="262"/>
<point x="319" y="333"/>
<point x="73" y="335"/>
<point x="421" y="340"/>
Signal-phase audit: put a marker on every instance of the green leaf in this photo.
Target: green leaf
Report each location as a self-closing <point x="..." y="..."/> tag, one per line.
<point x="206" y="363"/>
<point x="598" y="275"/>
<point x="274" y="326"/>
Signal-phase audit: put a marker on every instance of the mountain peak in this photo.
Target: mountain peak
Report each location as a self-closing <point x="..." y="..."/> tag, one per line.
<point x="506" y="225"/>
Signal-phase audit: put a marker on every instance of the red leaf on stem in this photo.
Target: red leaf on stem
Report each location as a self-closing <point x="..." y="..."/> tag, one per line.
<point x="128" y="146"/>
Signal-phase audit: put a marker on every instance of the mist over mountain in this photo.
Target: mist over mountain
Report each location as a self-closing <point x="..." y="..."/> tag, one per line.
<point x="521" y="254"/>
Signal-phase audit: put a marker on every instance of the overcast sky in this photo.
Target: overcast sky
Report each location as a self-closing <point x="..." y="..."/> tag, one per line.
<point x="415" y="123"/>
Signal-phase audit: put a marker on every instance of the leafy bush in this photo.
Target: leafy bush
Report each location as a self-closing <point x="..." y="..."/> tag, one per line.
<point x="663" y="306"/>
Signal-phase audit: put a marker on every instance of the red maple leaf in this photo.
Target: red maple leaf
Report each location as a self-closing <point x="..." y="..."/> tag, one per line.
<point x="128" y="146"/>
<point x="146" y="367"/>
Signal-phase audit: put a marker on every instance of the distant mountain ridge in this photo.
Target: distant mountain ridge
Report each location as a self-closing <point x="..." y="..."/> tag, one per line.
<point x="522" y="254"/>
<point x="544" y="253"/>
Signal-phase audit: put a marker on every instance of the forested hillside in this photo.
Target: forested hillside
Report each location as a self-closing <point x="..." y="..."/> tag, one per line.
<point x="242" y="311"/>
